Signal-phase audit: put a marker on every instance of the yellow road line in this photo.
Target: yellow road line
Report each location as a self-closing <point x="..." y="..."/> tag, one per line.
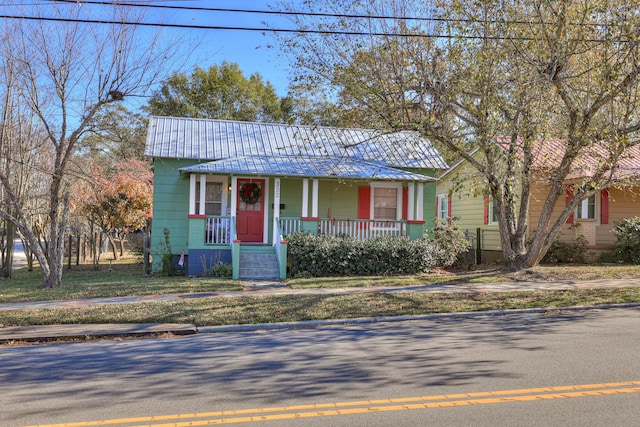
<point x="370" y="406"/>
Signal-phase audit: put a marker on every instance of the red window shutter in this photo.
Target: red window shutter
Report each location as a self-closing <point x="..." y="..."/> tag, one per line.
<point x="486" y="209"/>
<point x="604" y="206"/>
<point x="405" y="203"/>
<point x="364" y="202"/>
<point x="449" y="207"/>
<point x="437" y="206"/>
<point x="569" y="197"/>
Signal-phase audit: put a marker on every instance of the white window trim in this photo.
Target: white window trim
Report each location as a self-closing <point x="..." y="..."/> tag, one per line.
<point x="397" y="186"/>
<point x="442" y="197"/>
<point x="193" y="197"/>
<point x="597" y="208"/>
<point x="490" y="214"/>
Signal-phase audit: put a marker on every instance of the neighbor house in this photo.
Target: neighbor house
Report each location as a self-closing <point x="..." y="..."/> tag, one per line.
<point x="227" y="191"/>
<point x="460" y="194"/>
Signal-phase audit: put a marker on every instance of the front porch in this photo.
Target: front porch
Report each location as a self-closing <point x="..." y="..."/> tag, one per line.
<point x="283" y="206"/>
<point x="214" y="239"/>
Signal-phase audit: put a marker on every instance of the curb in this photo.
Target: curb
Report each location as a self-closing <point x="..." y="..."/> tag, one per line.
<point x="53" y="332"/>
<point x="308" y="324"/>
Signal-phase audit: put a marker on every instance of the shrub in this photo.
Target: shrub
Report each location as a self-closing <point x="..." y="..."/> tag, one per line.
<point x="315" y="256"/>
<point x="168" y="267"/>
<point x="449" y="241"/>
<point x="221" y="270"/>
<point x="627" y="245"/>
<point x="563" y="253"/>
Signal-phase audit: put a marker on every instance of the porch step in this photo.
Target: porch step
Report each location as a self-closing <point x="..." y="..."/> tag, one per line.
<point x="258" y="263"/>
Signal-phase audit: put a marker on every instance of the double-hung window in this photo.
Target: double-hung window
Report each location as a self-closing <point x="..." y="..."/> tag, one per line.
<point x="212" y="198"/>
<point x="493" y="215"/>
<point x="207" y="195"/>
<point x="587" y="208"/>
<point x="443" y="207"/>
<point x="386" y="201"/>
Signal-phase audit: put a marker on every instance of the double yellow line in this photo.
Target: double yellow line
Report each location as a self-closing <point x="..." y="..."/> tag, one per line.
<point x="366" y="406"/>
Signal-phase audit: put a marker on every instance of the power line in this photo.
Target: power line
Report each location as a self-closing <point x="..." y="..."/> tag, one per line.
<point x="314" y="14"/>
<point x="263" y="29"/>
<point x="279" y="30"/>
<point x="253" y="11"/>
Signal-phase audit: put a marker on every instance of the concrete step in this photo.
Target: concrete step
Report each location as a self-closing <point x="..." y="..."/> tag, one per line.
<point x="258" y="265"/>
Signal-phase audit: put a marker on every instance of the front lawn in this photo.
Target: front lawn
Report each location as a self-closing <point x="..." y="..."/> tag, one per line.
<point x="127" y="279"/>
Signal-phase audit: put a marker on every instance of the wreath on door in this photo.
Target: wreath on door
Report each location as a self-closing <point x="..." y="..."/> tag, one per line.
<point x="250" y="193"/>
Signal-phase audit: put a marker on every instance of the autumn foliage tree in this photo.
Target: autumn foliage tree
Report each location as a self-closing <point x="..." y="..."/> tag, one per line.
<point x="118" y="201"/>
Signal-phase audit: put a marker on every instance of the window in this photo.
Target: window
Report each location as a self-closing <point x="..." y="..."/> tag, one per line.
<point x="384" y="203"/>
<point x="387" y="201"/>
<point x="212" y="201"/>
<point x="493" y="215"/>
<point x="443" y="207"/>
<point x="587" y="208"/>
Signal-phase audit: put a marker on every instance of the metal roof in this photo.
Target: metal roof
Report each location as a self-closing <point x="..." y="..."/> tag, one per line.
<point x="205" y="139"/>
<point x="305" y="167"/>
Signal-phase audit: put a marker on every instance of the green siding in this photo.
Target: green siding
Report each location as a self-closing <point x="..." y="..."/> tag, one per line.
<point x="170" y="207"/>
<point x="291" y="197"/>
<point x="337" y="199"/>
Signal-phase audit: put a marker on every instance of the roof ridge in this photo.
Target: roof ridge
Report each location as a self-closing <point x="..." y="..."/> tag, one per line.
<point x="360" y="129"/>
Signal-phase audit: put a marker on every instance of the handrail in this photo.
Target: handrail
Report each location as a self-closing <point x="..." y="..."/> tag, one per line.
<point x="277" y="237"/>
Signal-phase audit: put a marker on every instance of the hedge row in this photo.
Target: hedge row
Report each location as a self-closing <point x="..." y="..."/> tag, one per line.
<point x="315" y="256"/>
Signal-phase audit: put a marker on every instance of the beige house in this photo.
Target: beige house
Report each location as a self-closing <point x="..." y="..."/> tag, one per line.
<point x="459" y="194"/>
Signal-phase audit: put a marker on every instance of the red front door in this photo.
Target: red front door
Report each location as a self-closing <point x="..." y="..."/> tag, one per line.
<point x="250" y="214"/>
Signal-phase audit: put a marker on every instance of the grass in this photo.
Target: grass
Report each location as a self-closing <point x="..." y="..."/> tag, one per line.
<point x="270" y="309"/>
<point x="127" y="279"/>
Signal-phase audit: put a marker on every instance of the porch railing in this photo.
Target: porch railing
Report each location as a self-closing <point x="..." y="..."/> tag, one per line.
<point x="360" y="229"/>
<point x="290" y="226"/>
<point x="218" y="230"/>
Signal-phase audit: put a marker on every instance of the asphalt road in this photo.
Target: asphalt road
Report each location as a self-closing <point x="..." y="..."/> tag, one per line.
<point x="569" y="369"/>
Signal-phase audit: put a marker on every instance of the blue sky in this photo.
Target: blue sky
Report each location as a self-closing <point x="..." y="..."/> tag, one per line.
<point x="247" y="48"/>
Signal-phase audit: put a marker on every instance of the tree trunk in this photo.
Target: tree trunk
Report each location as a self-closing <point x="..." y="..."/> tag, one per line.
<point x="7" y="268"/>
<point x="122" y="245"/>
<point x="56" y="246"/>
<point x="112" y="243"/>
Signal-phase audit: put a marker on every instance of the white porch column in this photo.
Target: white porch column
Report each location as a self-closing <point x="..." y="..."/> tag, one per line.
<point x="276" y="206"/>
<point x="305" y="198"/>
<point x="234" y="195"/>
<point x="420" y="202"/>
<point x="411" y="203"/>
<point x="192" y="194"/>
<point x="203" y="194"/>
<point x="314" y="199"/>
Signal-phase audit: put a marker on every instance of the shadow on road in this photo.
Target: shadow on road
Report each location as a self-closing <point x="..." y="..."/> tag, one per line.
<point x="279" y="365"/>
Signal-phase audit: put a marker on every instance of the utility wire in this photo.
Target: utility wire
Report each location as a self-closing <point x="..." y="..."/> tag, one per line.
<point x="313" y="14"/>
<point x="285" y="30"/>
<point x="265" y="12"/>
<point x="263" y="29"/>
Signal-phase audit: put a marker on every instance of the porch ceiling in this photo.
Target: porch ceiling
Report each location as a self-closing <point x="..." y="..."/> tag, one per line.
<point x="305" y="167"/>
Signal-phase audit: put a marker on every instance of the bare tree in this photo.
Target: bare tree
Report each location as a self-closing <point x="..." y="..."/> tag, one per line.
<point x="494" y="78"/>
<point x="66" y="72"/>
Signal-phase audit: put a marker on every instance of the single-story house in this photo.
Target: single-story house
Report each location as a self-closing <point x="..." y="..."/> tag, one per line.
<point x="228" y="191"/>
<point x="594" y="218"/>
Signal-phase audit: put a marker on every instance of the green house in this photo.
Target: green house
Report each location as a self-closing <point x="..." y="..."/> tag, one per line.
<point x="231" y="192"/>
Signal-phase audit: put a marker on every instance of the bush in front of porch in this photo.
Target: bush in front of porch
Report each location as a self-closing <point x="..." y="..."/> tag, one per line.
<point x="322" y="255"/>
